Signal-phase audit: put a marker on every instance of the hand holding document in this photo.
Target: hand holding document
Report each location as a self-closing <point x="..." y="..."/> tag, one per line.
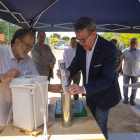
<point x="63" y="74"/>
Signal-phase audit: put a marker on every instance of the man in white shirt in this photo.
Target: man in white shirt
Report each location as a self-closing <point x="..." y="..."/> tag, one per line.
<point x="68" y="56"/>
<point x="96" y="58"/>
<point x="131" y="69"/>
<point x="14" y="62"/>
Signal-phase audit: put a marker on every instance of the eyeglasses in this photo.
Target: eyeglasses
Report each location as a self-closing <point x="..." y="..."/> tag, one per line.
<point x="133" y="42"/>
<point x="84" y="40"/>
<point x="27" y="45"/>
<point x="42" y="37"/>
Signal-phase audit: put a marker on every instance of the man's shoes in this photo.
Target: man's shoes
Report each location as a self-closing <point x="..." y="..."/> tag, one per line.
<point x="132" y="102"/>
<point x="125" y="101"/>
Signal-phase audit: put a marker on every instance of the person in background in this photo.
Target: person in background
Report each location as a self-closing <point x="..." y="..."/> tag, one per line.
<point x="68" y="56"/>
<point x="15" y="62"/>
<point x="131" y="69"/>
<point x="118" y="57"/>
<point x="43" y="58"/>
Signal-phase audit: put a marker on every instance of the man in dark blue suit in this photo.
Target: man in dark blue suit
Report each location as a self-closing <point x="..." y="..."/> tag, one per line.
<point x="96" y="58"/>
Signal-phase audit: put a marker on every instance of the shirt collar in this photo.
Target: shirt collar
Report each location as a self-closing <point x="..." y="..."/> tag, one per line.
<point x="131" y="50"/>
<point x="94" y="44"/>
<point x="12" y="55"/>
<point x="72" y="48"/>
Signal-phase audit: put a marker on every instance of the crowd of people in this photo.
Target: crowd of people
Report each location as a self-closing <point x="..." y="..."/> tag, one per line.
<point x="98" y="60"/>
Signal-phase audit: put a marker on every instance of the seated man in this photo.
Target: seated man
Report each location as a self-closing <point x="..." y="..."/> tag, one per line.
<point x="43" y="57"/>
<point x="14" y="62"/>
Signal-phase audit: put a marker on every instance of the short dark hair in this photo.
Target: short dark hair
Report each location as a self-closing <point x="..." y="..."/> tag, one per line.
<point x="20" y="34"/>
<point x="85" y="23"/>
<point x="73" y="38"/>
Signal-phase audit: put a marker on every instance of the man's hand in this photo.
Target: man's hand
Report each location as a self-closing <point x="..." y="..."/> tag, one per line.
<point x="121" y="73"/>
<point x="10" y="74"/>
<point x="55" y="88"/>
<point x="75" y="89"/>
<point x="117" y="70"/>
<point x="51" y="65"/>
<point x="59" y="73"/>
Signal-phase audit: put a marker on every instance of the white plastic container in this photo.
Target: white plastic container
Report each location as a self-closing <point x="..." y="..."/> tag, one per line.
<point x="27" y="101"/>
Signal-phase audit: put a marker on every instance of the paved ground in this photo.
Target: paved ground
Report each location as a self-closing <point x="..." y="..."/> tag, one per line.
<point x="124" y="136"/>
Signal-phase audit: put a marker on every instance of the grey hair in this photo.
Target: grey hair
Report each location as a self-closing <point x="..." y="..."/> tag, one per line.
<point x="20" y="34"/>
<point x="133" y="38"/>
<point x="85" y="23"/>
<point x="40" y="32"/>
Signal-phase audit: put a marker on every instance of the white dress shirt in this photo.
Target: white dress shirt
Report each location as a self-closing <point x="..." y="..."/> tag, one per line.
<point x="68" y="56"/>
<point x="8" y="61"/>
<point x="131" y="62"/>
<point x="88" y="61"/>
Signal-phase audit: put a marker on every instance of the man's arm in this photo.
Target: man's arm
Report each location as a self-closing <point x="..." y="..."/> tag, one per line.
<point x="123" y="57"/>
<point x="120" y="64"/>
<point x="10" y="74"/>
<point x="107" y="74"/>
<point x="37" y="58"/>
<point x="53" y="57"/>
<point x="54" y="88"/>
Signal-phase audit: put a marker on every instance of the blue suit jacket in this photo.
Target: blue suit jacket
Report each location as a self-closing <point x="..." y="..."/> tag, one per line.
<point x="102" y="87"/>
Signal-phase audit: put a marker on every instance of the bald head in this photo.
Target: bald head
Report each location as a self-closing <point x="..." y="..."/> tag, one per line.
<point x="40" y="32"/>
<point x="41" y="36"/>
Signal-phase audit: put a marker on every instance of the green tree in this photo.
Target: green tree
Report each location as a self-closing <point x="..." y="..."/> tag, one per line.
<point x="56" y="35"/>
<point x="8" y="29"/>
<point x="66" y="38"/>
<point x="108" y="36"/>
<point x="54" y="40"/>
<point x="125" y="38"/>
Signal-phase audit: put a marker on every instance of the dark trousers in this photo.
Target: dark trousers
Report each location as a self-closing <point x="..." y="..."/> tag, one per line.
<point x="76" y="80"/>
<point x="101" y="116"/>
<point x="126" y="79"/>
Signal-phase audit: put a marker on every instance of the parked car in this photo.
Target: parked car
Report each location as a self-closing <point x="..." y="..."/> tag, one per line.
<point x="56" y="47"/>
<point x="63" y="47"/>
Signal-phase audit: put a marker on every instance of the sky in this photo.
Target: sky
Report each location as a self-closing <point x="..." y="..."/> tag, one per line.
<point x="69" y="34"/>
